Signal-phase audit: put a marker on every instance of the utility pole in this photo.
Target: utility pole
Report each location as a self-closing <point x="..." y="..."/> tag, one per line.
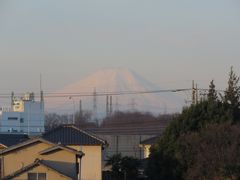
<point x="193" y="93"/>
<point x="12" y="99"/>
<point x="196" y="93"/>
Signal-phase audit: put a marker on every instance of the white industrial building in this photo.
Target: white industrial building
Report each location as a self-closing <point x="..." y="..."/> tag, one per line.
<point x="25" y="115"/>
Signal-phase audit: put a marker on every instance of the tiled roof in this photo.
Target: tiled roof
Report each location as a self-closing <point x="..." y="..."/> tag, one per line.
<point x="71" y="135"/>
<point x="12" y="139"/>
<point x="32" y="166"/>
<point x="28" y="142"/>
<point x="59" y="148"/>
<point x="150" y="141"/>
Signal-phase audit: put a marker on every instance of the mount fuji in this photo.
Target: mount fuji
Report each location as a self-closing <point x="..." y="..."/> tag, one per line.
<point x="123" y="81"/>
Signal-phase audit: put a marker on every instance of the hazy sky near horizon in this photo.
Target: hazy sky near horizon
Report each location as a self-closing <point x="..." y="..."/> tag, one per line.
<point x="167" y="42"/>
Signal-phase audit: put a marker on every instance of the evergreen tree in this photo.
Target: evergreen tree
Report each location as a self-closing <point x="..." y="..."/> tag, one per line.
<point x="231" y="97"/>
<point x="212" y="93"/>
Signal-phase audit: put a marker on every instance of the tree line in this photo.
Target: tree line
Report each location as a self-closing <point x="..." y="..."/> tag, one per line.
<point x="203" y="142"/>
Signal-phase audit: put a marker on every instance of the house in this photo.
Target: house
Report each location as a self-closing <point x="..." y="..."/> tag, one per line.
<point x="57" y="154"/>
<point x="7" y="140"/>
<point x="37" y="159"/>
<point x="86" y="142"/>
<point x="146" y="145"/>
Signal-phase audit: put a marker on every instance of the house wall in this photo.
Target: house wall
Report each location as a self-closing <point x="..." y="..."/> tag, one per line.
<point x="22" y="157"/>
<point x="63" y="160"/>
<point x="51" y="175"/>
<point x="91" y="162"/>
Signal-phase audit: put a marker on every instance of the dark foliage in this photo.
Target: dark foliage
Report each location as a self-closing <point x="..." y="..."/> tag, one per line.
<point x="82" y="120"/>
<point x="123" y="166"/>
<point x="176" y="154"/>
<point x="213" y="153"/>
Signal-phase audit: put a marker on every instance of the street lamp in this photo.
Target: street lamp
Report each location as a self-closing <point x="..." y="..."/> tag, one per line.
<point x="70" y="97"/>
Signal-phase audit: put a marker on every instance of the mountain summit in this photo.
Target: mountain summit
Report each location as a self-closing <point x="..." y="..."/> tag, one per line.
<point x="122" y="81"/>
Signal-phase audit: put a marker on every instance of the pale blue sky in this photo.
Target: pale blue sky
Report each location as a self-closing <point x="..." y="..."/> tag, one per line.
<point x="169" y="42"/>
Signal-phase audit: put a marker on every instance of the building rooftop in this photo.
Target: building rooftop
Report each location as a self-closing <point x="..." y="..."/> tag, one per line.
<point x="71" y="135"/>
<point x="150" y="141"/>
<point x="12" y="139"/>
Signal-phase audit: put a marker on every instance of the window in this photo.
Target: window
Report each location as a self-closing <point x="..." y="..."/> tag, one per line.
<point x="37" y="176"/>
<point x="32" y="176"/>
<point x="12" y="118"/>
<point x="21" y="120"/>
<point x="42" y="176"/>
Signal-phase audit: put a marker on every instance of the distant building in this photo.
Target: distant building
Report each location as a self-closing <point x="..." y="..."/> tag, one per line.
<point x="25" y="115"/>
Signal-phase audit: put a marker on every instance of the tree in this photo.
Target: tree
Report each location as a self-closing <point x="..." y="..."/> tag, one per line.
<point x="231" y="97"/>
<point x="53" y="120"/>
<point x="123" y="167"/>
<point x="212" y="153"/>
<point x="212" y="93"/>
<point x="83" y="120"/>
<point x="164" y="162"/>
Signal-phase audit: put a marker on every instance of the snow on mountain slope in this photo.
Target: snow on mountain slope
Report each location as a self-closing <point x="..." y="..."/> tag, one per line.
<point x="117" y="80"/>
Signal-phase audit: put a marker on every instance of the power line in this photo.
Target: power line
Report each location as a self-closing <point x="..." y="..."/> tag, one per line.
<point x="107" y="93"/>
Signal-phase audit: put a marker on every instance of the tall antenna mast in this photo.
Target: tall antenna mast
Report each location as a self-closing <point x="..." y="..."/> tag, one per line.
<point x="80" y="107"/>
<point x="41" y="91"/>
<point x="107" y="106"/>
<point x="117" y="105"/>
<point x="40" y="82"/>
<point x="94" y="103"/>
<point x="110" y="108"/>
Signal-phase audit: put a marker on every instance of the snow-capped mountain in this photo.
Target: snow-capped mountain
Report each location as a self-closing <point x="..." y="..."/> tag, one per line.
<point x="120" y="80"/>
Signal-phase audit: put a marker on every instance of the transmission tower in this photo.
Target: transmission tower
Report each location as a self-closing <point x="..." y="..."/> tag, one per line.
<point x="94" y="103"/>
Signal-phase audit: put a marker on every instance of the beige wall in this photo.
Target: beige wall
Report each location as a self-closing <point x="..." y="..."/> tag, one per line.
<point x="91" y="165"/>
<point x="51" y="175"/>
<point x="61" y="156"/>
<point x="21" y="158"/>
<point x="91" y="162"/>
<point x="64" y="160"/>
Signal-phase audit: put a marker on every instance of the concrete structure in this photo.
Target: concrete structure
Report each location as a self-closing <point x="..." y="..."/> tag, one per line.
<point x="126" y="144"/>
<point x="25" y="116"/>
